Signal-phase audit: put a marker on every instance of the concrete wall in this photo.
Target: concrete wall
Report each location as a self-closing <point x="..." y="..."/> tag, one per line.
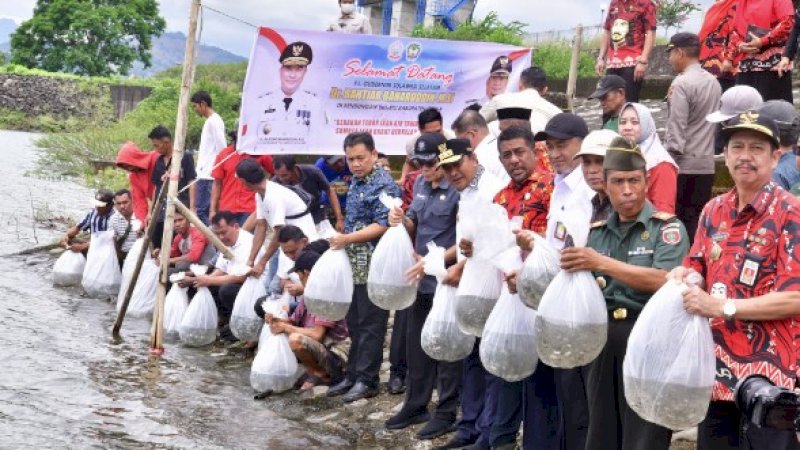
<point x="125" y="98"/>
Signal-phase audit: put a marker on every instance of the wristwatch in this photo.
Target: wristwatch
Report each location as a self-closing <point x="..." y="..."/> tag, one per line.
<point x="729" y="309"/>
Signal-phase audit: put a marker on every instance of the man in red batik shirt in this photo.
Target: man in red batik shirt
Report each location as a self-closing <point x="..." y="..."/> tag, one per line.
<point x="747" y="250"/>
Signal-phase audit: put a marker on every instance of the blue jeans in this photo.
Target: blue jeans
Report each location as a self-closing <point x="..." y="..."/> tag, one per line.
<point x="203" y="199"/>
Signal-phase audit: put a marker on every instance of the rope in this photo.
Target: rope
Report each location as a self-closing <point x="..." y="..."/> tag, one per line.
<point x="230" y="16"/>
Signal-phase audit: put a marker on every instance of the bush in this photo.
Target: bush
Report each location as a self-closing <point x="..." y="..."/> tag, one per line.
<point x="489" y="29"/>
<point x="555" y="58"/>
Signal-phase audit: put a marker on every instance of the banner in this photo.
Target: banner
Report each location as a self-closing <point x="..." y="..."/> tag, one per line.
<point x="333" y="84"/>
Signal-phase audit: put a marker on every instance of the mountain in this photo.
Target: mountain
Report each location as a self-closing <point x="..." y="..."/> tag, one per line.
<point x="7" y="26"/>
<point x="168" y="51"/>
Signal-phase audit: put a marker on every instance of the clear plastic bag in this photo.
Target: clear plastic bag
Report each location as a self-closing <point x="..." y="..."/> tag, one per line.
<point x="538" y="271"/>
<point x="244" y="323"/>
<point x="669" y="366"/>
<point x="175" y="306"/>
<point x="199" y="324"/>
<point x="387" y="285"/>
<point x="101" y="275"/>
<point x="329" y="291"/>
<point x="441" y="338"/>
<point x="68" y="269"/>
<point x="476" y="296"/>
<point x="143" y="298"/>
<point x="508" y="347"/>
<point x="572" y="323"/>
<point x="275" y="367"/>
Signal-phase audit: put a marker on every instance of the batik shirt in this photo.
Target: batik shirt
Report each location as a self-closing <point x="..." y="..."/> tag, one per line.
<point x="363" y="209"/>
<point x="627" y="23"/>
<point x="529" y="200"/>
<point x="743" y="255"/>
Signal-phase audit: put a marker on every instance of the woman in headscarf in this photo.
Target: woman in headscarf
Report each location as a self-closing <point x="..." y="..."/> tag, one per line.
<point x="636" y="124"/>
<point x="714" y="36"/>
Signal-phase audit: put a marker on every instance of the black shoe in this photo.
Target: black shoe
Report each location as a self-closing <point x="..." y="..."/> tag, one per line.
<point x="359" y="391"/>
<point x="435" y="427"/>
<point x="457" y="442"/>
<point x="397" y="385"/>
<point x="404" y="420"/>
<point x="341" y="388"/>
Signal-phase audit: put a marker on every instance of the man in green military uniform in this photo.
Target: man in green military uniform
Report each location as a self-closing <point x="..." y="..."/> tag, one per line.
<point x="630" y="254"/>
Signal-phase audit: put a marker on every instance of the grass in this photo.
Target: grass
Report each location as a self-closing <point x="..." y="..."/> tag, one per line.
<point x="555" y="58"/>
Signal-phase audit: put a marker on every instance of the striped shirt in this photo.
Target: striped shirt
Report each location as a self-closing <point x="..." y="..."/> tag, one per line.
<point x="94" y="221"/>
<point x="119" y="224"/>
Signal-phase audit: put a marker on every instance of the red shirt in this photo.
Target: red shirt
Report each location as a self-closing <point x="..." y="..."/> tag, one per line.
<point x="744" y="255"/>
<point x="335" y="331"/>
<point x="542" y="160"/>
<point x="772" y="18"/>
<point x="529" y="200"/>
<point x="407" y="193"/>
<point x="233" y="196"/>
<point x="662" y="186"/>
<point x="627" y="23"/>
<point x="196" y="244"/>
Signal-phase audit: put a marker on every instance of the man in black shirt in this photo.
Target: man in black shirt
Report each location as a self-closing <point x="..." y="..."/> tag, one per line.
<point x="161" y="139"/>
<point x="313" y="181"/>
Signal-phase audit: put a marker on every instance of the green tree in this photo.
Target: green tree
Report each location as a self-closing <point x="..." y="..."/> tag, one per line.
<point x="87" y="37"/>
<point x="673" y="13"/>
<point x="489" y="29"/>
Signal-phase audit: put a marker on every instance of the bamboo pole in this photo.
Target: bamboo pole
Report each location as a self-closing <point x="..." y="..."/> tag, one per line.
<point x="194" y="220"/>
<point x="157" y="331"/>
<point x="148" y="235"/>
<point x="577" y="42"/>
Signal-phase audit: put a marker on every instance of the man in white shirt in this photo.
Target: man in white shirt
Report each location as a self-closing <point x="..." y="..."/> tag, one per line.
<point x="276" y="206"/>
<point x="471" y="125"/>
<point x="349" y="21"/>
<point x="212" y="141"/>
<point x="532" y="86"/>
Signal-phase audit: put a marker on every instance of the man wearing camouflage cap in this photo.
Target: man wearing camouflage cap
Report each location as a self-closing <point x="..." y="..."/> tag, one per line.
<point x="630" y="254"/>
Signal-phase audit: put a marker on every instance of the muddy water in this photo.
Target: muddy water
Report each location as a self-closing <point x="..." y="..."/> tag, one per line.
<point x="64" y="383"/>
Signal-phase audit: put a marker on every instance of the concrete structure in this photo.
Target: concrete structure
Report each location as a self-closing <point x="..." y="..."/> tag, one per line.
<point x="398" y="17"/>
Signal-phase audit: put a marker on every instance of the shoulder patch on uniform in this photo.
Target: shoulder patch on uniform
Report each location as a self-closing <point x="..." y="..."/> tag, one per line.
<point x="660" y="215"/>
<point x="598" y="224"/>
<point x="671" y="225"/>
<point x="671" y="236"/>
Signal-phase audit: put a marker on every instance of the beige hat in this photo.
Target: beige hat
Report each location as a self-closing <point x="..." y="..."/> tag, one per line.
<point x="596" y="143"/>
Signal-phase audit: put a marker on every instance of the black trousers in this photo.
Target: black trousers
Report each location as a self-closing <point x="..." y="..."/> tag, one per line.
<point x="613" y="424"/>
<point x="768" y="84"/>
<point x="397" y="345"/>
<point x="694" y="191"/>
<point x="478" y="399"/>
<point x="224" y="297"/>
<point x="367" y="326"/>
<point x="571" y="387"/>
<point x="425" y="373"/>
<point x="726" y="82"/>
<point x="632" y="88"/>
<point x="724" y="428"/>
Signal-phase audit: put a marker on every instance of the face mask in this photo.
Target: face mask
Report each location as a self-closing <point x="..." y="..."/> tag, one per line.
<point x="348" y="8"/>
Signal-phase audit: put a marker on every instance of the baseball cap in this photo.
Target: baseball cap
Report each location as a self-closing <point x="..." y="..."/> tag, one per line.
<point x="736" y="100"/>
<point x="781" y="111"/>
<point x="596" y="143"/>
<point x="623" y="155"/>
<point x="502" y="64"/>
<point x="753" y="121"/>
<point x="305" y="261"/>
<point x="607" y="84"/>
<point x="296" y="54"/>
<point x="250" y="171"/>
<point x="426" y="148"/>
<point x="563" y="126"/>
<point x="103" y="198"/>
<point x="683" y="40"/>
<point x="453" y="151"/>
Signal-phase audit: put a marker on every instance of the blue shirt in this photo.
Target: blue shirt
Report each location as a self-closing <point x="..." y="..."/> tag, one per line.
<point x="94" y="221"/>
<point x="434" y="212"/>
<point x="363" y="209"/>
<point x="786" y="173"/>
<point x="338" y="180"/>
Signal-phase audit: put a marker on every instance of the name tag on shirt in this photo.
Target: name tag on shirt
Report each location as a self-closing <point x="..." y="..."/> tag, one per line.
<point x="561" y="231"/>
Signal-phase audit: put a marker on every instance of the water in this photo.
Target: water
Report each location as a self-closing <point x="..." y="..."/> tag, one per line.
<point x="390" y="297"/>
<point x="674" y="406"/>
<point x="197" y="337"/>
<point x="443" y="341"/>
<point x="327" y="309"/>
<point x="511" y="357"/>
<point x="66" y="383"/>
<point x="246" y="328"/>
<point x="472" y="312"/>
<point x="532" y="283"/>
<point x="565" y="345"/>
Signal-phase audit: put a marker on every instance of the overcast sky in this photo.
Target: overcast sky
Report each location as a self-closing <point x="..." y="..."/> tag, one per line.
<point x="540" y="15"/>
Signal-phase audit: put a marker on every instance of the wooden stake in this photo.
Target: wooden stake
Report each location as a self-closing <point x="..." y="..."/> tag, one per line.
<point x="157" y="331"/>
<point x="577" y="42"/>
<point x="194" y="220"/>
<point x="148" y="235"/>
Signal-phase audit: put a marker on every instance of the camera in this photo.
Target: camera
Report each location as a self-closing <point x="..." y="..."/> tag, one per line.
<point x="767" y="406"/>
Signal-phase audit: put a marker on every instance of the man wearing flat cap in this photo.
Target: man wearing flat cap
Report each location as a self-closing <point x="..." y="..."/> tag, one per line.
<point x="497" y="81"/>
<point x="288" y="115"/>
<point x="746" y="252"/>
<point x="630" y="254"/>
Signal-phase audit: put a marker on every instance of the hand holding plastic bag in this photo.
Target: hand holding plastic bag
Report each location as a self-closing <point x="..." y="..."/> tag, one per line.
<point x="508" y="347"/>
<point x="101" y="275"/>
<point x="175" y="306"/>
<point x="441" y="338"/>
<point x="275" y="367"/>
<point x="68" y="269"/>
<point x="329" y="291"/>
<point x="669" y="366"/>
<point x="387" y="285"/>
<point x="245" y="324"/>
<point x="538" y="271"/>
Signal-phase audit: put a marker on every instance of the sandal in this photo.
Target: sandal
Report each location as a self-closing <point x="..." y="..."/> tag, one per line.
<point x="312" y="381"/>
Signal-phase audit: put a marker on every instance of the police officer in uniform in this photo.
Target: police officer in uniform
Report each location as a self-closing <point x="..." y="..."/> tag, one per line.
<point x="289" y="114"/>
<point x="630" y="254"/>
